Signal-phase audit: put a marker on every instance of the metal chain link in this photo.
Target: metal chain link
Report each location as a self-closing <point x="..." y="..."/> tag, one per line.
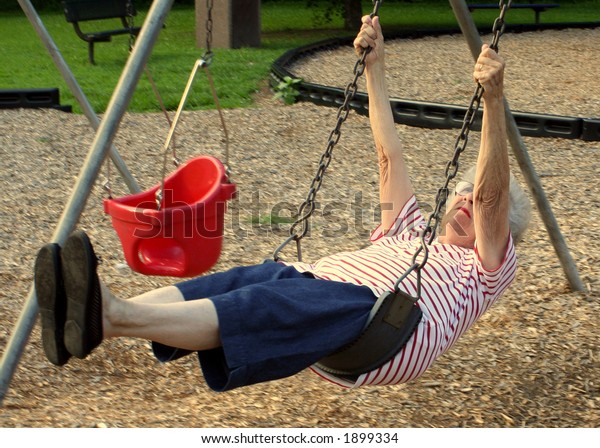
<point x="452" y="166"/>
<point x="204" y="63"/>
<point x="208" y="54"/>
<point x="130" y="25"/>
<point x="307" y="208"/>
<point x="132" y="38"/>
<point x="206" y="60"/>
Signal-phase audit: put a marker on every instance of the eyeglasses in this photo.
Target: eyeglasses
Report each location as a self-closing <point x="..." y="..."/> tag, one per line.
<point x="463" y="188"/>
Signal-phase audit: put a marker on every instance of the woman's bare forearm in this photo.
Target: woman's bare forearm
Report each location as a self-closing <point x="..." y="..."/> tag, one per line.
<point x="491" y="193"/>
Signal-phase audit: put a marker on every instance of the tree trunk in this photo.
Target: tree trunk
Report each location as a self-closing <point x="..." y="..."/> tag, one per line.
<point x="352" y="14"/>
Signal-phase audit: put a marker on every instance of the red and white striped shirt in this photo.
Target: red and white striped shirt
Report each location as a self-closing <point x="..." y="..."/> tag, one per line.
<point x="455" y="290"/>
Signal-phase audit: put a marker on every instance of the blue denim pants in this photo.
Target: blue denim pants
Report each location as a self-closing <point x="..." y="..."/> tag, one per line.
<point x="274" y="322"/>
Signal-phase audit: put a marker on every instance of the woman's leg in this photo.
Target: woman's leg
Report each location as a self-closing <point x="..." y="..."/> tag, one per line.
<point x="162" y="316"/>
<point x="277" y="328"/>
<point x="213" y="284"/>
<point x="167" y="294"/>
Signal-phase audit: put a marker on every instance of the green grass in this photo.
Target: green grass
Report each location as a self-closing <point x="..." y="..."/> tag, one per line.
<point x="238" y="74"/>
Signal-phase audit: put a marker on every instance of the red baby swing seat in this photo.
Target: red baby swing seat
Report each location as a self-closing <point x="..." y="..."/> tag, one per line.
<point x="184" y="237"/>
<point x="176" y="228"/>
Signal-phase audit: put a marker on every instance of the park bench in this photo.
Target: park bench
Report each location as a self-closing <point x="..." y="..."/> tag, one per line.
<point x="538" y="8"/>
<point x="77" y="11"/>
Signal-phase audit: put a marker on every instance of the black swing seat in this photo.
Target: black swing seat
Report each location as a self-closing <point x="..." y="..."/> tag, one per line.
<point x="391" y="324"/>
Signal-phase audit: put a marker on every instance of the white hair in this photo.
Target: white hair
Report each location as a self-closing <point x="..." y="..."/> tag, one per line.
<point x="519" y="212"/>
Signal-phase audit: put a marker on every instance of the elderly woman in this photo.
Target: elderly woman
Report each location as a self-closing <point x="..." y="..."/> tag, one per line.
<point x="259" y="323"/>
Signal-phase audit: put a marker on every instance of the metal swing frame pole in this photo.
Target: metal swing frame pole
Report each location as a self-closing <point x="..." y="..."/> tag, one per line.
<point x="469" y="30"/>
<point x="87" y="176"/>
<point x="67" y="75"/>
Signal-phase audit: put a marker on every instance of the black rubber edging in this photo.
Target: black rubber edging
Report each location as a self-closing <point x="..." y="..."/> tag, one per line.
<point x="435" y="115"/>
<point x="32" y="99"/>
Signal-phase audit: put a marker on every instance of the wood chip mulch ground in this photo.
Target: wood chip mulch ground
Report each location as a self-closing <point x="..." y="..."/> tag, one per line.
<point x="532" y="361"/>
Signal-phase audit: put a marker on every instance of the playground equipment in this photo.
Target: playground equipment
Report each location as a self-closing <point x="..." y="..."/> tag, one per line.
<point x="106" y="130"/>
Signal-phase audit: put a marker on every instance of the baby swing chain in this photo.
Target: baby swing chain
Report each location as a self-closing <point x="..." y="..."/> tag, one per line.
<point x="132" y="38"/>
<point x="204" y="63"/>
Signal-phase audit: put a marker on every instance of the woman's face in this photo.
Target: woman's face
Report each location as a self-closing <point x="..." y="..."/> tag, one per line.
<point x="457" y="224"/>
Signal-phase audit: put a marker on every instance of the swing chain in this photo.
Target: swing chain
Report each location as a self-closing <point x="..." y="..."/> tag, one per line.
<point x="203" y="63"/>
<point x="452" y="166"/>
<point x="499" y="23"/>
<point x="130" y="23"/>
<point x="307" y="208"/>
<point x="208" y="54"/>
<point x="132" y="38"/>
